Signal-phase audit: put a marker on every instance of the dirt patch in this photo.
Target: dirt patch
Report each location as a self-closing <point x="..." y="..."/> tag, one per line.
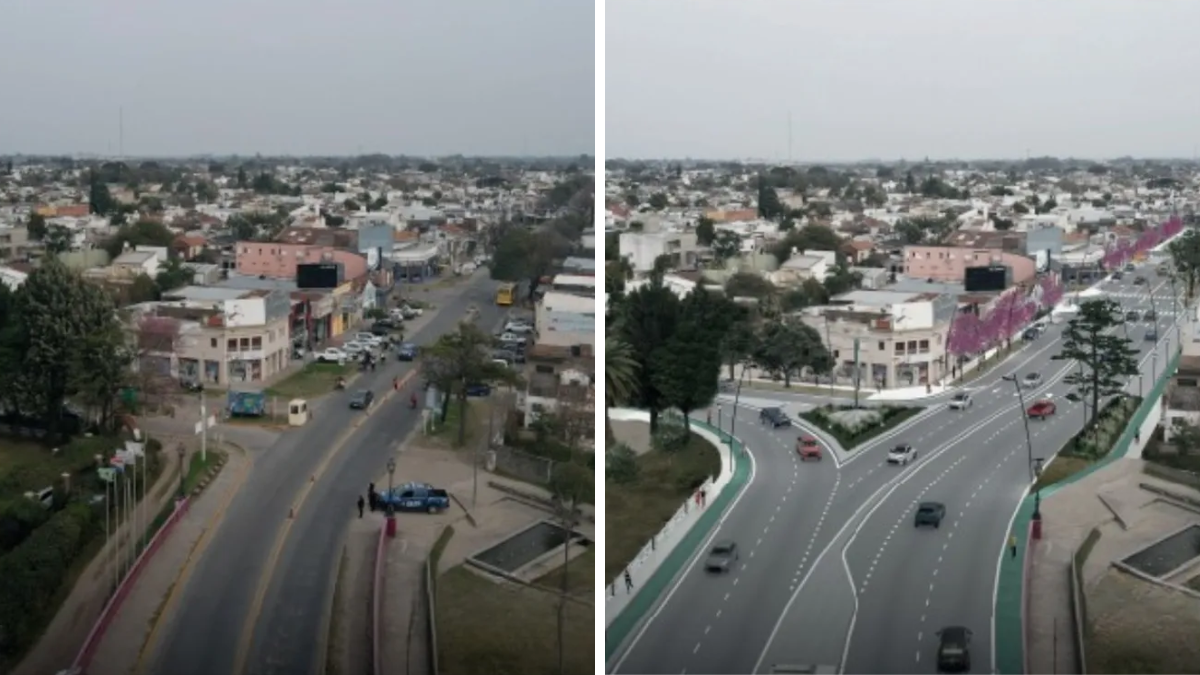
<point x="636" y="510"/>
<point x="504" y="628"/>
<point x="1141" y="627"/>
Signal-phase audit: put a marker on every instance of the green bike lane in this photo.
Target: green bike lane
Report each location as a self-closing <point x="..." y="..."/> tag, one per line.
<point x="1010" y="622"/>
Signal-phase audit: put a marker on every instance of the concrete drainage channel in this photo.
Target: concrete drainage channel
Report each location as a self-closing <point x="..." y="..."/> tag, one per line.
<point x="531" y="552"/>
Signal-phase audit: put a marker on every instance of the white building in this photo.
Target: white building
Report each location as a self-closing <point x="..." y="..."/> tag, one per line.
<point x="565" y="319"/>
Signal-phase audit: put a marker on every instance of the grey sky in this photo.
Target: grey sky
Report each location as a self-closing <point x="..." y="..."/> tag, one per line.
<point x="477" y="77"/>
<point x="888" y="79"/>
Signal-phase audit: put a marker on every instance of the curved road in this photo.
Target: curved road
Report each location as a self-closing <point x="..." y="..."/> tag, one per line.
<point x="213" y="619"/>
<point x="798" y="605"/>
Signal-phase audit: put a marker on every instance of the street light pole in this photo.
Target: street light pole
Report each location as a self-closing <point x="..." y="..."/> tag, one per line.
<point x="181" y="451"/>
<point x="391" y="500"/>
<point x="1037" y="498"/>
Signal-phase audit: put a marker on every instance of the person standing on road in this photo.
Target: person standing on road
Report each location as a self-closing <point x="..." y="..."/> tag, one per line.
<point x="1012" y="544"/>
<point x="361" y="504"/>
<point x="372" y="500"/>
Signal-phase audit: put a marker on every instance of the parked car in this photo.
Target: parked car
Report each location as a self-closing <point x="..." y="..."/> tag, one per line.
<point x="333" y="355"/>
<point x="518" y="327"/>
<point x="479" y="390"/>
<point x="416" y="497"/>
<point x="367" y="338"/>
<point x="1042" y="409"/>
<point x="808" y="448"/>
<point x="1133" y="315"/>
<point x="354" y="348"/>
<point x="511" y="338"/>
<point x="362" y="399"/>
<point x="410" y="312"/>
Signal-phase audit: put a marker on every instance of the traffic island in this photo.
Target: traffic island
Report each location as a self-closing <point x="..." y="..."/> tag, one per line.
<point x="854" y="427"/>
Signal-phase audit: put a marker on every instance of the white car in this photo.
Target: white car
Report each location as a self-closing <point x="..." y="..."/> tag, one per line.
<point x="332" y="355"/>
<point x="368" y="339"/>
<point x="961" y="401"/>
<point x="354" y="348"/>
<point x="902" y="454"/>
<point x="410" y="311"/>
<point x="518" y="328"/>
<point x="512" y="338"/>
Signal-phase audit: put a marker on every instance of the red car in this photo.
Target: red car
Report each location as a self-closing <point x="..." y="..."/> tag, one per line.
<point x="808" y="448"/>
<point x="1042" y="409"/>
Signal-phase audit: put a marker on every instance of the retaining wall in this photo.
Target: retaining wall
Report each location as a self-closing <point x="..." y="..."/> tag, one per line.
<point x="377" y="601"/>
<point x="84" y="659"/>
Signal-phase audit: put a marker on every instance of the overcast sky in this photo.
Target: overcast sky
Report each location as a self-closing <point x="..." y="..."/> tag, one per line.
<point x="888" y="79"/>
<point x="477" y="77"/>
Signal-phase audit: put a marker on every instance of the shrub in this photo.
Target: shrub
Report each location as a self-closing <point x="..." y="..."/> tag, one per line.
<point x="19" y="517"/>
<point x="620" y="464"/>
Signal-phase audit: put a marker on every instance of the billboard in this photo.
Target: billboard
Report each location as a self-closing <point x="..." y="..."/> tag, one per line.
<point x="986" y="279"/>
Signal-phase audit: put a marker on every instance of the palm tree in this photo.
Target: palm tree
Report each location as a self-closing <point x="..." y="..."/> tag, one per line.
<point x="620" y="377"/>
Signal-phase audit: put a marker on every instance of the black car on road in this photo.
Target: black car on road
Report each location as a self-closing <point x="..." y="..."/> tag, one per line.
<point x="930" y="513"/>
<point x="722" y="557"/>
<point x="362" y="399"/>
<point x="775" y="417"/>
<point x="954" y="650"/>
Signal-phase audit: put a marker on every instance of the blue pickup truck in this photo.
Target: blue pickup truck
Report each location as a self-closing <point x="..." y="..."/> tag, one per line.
<point x="416" y="497"/>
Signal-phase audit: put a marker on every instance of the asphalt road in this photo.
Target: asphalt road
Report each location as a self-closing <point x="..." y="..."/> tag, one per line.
<point x="204" y="636"/>
<point x="798" y="606"/>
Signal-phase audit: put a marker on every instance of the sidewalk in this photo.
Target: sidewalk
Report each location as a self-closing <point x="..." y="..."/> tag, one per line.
<point x="69" y="628"/>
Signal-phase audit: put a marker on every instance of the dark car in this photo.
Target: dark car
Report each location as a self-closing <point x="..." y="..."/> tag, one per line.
<point x="407" y="352"/>
<point x="1152" y="335"/>
<point x="954" y="650"/>
<point x="380" y="328"/>
<point x="1133" y="315"/>
<point x="1117" y="276"/>
<point x="722" y="557"/>
<point x="1151" y="315"/>
<point x="478" y="390"/>
<point x="775" y="417"/>
<point x="1140" y="281"/>
<point x="1032" y="333"/>
<point x="362" y="399"/>
<point x="930" y="513"/>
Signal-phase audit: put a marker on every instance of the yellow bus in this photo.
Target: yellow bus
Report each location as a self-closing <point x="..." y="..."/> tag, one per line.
<point x="506" y="294"/>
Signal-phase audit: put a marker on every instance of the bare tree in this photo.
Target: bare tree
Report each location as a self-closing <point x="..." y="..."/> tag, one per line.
<point x="157" y="341"/>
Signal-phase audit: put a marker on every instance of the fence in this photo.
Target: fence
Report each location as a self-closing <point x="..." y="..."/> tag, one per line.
<point x="1079" y="610"/>
<point x="1188" y="478"/>
<point x="523" y="465"/>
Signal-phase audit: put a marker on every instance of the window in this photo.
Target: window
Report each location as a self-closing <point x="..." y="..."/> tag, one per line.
<point x="899" y="347"/>
<point x="244" y="343"/>
<point x="882" y="346"/>
<point x="837" y="354"/>
<point x="912" y="346"/>
<point x="231" y="345"/>
<point x="256" y="342"/>
<point x="213" y="343"/>
<point x="923" y="347"/>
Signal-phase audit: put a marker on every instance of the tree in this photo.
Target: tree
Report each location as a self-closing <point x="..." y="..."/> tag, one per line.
<point x="1051" y="291"/>
<point x="570" y="484"/>
<point x="58" y="239"/>
<point x="726" y="245"/>
<point x="242" y="181"/>
<point x="1091" y="341"/>
<point x="769" y="206"/>
<point x="1011" y="313"/>
<point x="740" y="343"/>
<point x="787" y="347"/>
<point x="36" y="226"/>
<point x="520" y="254"/>
<point x="351" y="205"/>
<point x="705" y="232"/>
<point x="141" y="233"/>
<point x="748" y="285"/>
<point x="687" y="366"/>
<point x="462" y="359"/>
<point x="1185" y="252"/>
<point x="620" y="377"/>
<point x="841" y="279"/>
<point x="646" y="319"/>
<point x="173" y="275"/>
<point x="965" y="335"/>
<point x="100" y="200"/>
<point x="659" y="201"/>
<point x="143" y="289"/>
<point x="808" y="238"/>
<point x="100" y="366"/>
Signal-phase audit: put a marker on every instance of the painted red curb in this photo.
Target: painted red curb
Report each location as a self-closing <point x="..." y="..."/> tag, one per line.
<point x="84" y="658"/>
<point x="377" y="601"/>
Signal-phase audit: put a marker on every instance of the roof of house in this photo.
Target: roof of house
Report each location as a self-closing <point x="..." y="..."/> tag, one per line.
<point x="801" y="262"/>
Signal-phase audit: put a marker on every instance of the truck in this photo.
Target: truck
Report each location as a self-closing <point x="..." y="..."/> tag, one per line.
<point x="246" y="404"/>
<point x="416" y="497"/>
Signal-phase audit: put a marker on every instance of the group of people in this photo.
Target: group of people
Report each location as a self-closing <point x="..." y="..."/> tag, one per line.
<point x="372" y="501"/>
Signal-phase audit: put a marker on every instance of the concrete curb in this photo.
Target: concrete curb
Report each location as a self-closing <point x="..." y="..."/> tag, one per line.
<point x="84" y="658"/>
<point x="377" y="602"/>
<point x="1026" y="567"/>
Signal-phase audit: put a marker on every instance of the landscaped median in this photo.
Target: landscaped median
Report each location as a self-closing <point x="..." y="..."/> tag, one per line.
<point x="661" y="563"/>
<point x="1009" y="646"/>
<point x="855" y="427"/>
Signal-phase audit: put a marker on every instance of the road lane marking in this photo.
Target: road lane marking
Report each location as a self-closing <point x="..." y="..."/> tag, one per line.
<point x="251" y="622"/>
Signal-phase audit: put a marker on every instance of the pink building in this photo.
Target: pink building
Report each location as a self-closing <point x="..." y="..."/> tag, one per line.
<point x="947" y="263"/>
<point x="278" y="261"/>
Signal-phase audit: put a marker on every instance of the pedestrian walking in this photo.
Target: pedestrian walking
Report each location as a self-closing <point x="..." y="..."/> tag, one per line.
<point x="1012" y="544"/>
<point x="395" y="384"/>
<point x="628" y="581"/>
<point x="372" y="499"/>
<point x="704" y="498"/>
<point x="709" y="417"/>
<point x="361" y="504"/>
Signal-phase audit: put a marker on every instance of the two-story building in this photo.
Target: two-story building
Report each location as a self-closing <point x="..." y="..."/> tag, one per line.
<point x="558" y="375"/>
<point x="643" y="248"/>
<point x="15" y="243"/>
<point x="565" y="319"/>
<point x="221" y="337"/>
<point x="889" y="338"/>
<point x="949" y="263"/>
<point x="278" y="260"/>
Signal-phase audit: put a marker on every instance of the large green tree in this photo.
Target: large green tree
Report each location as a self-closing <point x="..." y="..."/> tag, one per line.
<point x="687" y="366"/>
<point x="787" y="347"/>
<point x="1106" y="357"/>
<point x="1185" y="254"/>
<point x="647" y="318"/>
<point x="620" y="377"/>
<point x="522" y="254"/>
<point x="461" y="359"/>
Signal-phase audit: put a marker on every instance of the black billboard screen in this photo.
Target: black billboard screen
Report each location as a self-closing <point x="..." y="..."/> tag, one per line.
<point x="318" y="275"/>
<point x="983" y="279"/>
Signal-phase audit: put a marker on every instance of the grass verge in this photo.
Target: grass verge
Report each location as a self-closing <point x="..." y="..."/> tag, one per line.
<point x="637" y="509"/>
<point x="504" y="628"/>
<point x="311" y="381"/>
<point x="581" y="575"/>
<point x="893" y="416"/>
<point x="445" y="433"/>
<point x="1091" y="445"/>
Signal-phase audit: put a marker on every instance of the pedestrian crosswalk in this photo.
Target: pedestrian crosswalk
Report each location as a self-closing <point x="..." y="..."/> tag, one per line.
<point x="1165" y="299"/>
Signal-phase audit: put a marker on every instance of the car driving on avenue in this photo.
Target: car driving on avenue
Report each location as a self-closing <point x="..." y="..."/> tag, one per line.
<point x="961" y="401"/>
<point x="901" y="454"/>
<point x="774" y="416"/>
<point x="361" y="399"/>
<point x="930" y="513"/>
<point x="722" y="557"/>
<point x="808" y="448"/>
<point x="1032" y="379"/>
<point x="954" y="650"/>
<point x="1042" y="409"/>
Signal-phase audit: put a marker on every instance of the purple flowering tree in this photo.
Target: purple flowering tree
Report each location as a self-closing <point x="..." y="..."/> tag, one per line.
<point x="965" y="336"/>
<point x="1052" y="291"/>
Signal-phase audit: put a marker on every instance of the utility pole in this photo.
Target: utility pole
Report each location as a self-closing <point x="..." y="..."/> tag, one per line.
<point x="857" y="374"/>
<point x="203" y="428"/>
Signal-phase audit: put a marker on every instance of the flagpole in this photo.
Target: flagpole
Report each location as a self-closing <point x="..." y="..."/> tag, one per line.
<point x="107" y="510"/>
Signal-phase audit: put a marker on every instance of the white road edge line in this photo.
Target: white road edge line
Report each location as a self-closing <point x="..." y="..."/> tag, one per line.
<point x="695" y="559"/>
